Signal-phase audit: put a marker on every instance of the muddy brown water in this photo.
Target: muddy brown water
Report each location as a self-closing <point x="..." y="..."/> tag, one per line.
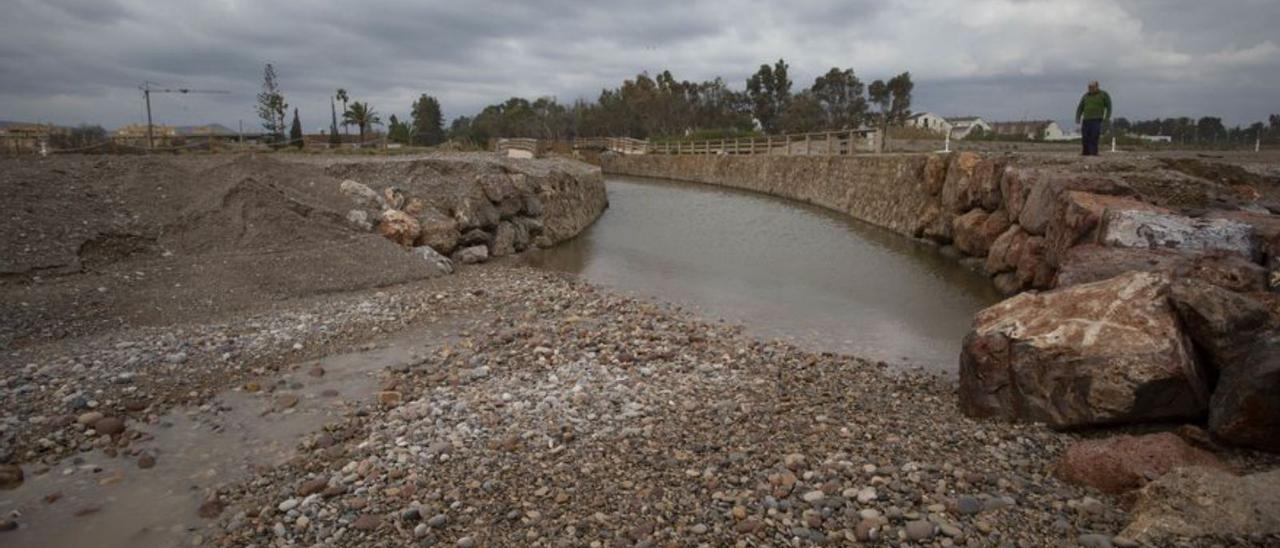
<point x="780" y="268"/>
<point x="110" y="502"/>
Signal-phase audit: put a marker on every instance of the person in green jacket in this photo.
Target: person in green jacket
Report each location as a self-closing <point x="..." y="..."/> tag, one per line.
<point x="1094" y="107"/>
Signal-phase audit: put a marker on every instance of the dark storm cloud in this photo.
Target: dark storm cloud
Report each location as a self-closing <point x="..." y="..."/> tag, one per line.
<point x="68" y="61"/>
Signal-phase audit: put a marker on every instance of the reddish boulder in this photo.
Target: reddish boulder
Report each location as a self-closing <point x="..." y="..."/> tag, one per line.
<point x="1091" y="263"/>
<point x="967" y="232"/>
<point x="1014" y="186"/>
<point x="957" y="195"/>
<point x="399" y="227"/>
<point x="1100" y="353"/>
<point x="1000" y="258"/>
<point x="1031" y="264"/>
<point x="438" y="230"/>
<point x="934" y="174"/>
<point x="1079" y="219"/>
<point x="1245" y="408"/>
<point x="1123" y="463"/>
<point x="1044" y="196"/>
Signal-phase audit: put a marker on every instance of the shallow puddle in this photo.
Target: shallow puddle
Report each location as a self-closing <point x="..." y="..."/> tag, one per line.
<point x="111" y="502"/>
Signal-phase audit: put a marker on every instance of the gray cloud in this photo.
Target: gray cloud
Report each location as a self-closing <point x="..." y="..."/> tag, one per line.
<point x="71" y="61"/>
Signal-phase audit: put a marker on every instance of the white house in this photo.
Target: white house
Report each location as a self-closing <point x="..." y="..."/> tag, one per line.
<point x="1155" y="138"/>
<point x="929" y="121"/>
<point x="1047" y="130"/>
<point x="962" y="126"/>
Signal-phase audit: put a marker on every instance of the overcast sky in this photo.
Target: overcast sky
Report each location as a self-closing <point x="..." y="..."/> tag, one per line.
<point x="73" y="61"/>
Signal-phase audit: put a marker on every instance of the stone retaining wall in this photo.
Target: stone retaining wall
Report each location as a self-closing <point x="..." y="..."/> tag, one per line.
<point x="886" y="190"/>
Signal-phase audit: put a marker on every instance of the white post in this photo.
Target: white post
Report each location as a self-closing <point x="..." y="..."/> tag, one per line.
<point x="1113" y="143"/>
<point x="44" y="148"/>
<point x="946" y="145"/>
<point x="1257" y="144"/>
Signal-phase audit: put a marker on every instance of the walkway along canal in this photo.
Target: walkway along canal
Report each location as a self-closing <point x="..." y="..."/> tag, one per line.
<point x="780" y="268"/>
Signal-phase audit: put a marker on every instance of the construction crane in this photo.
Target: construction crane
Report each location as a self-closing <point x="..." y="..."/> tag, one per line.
<point x="147" y="90"/>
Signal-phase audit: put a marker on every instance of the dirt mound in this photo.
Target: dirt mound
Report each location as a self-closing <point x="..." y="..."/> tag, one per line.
<point x="156" y="240"/>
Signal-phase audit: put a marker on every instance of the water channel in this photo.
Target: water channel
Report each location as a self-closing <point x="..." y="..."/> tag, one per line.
<point x="782" y="269"/>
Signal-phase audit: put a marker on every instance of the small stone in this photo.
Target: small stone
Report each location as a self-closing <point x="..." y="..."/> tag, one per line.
<point x="316" y="371"/>
<point x="420" y="530"/>
<point x="739" y="512"/>
<point x="794" y="461"/>
<point x="698" y="529"/>
<point x="867" y="530"/>
<point x="389" y="398"/>
<point x="146" y="461"/>
<point x="466" y="542"/>
<point x="88" y="419"/>
<point x="211" y="509"/>
<point x="109" y="426"/>
<point x="313" y="486"/>
<point x="286" y="401"/>
<point x="437" y="521"/>
<point x="867" y="494"/>
<point x="967" y="505"/>
<point x="366" y="522"/>
<point x="7" y="525"/>
<point x="919" y="530"/>
<point x="813" y="496"/>
<point x="289" y="505"/>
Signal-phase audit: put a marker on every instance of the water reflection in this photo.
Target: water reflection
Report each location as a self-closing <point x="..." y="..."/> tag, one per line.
<point x="782" y="269"/>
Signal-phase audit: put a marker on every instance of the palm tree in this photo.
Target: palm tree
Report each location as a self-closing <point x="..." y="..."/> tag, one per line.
<point x="362" y="116"/>
<point x="342" y="96"/>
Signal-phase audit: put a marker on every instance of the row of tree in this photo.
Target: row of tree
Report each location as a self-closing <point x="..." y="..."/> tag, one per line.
<point x="1205" y="130"/>
<point x="664" y="107"/>
<point x="425" y="128"/>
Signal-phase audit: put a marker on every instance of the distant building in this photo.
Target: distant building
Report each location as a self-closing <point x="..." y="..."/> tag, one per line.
<point x="1155" y="138"/>
<point x="962" y="126"/>
<point x="1033" y="130"/>
<point x="22" y="137"/>
<point x="929" y="121"/>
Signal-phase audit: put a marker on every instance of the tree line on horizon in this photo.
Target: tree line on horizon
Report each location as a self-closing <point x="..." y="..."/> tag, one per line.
<point x="425" y="127"/>
<point x="663" y="107"/>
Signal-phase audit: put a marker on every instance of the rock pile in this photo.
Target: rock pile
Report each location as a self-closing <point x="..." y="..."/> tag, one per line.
<point x="1155" y="311"/>
<point x="475" y="214"/>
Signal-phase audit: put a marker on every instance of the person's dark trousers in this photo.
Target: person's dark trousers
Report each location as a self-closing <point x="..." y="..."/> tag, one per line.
<point x="1091" y="132"/>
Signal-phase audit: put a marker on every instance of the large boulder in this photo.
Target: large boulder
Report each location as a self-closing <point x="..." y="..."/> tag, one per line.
<point x="1266" y="228"/>
<point x="1015" y="183"/>
<point x="437" y="263"/>
<point x="934" y="174"/>
<point x="504" y="240"/>
<point x="1245" y="408"/>
<point x="1003" y="255"/>
<point x="475" y="211"/>
<point x="510" y="206"/>
<point x="439" y="231"/>
<point x="976" y="231"/>
<point x="1091" y="263"/>
<point x="972" y="181"/>
<point x="1044" y="194"/>
<point x="1101" y="353"/>
<point x="934" y="223"/>
<point x="497" y="186"/>
<point x="1199" y="501"/>
<point x="1236" y="335"/>
<point x="1032" y="264"/>
<point x="363" y="196"/>
<point x="1081" y="213"/>
<point x="1152" y="229"/>
<point x="399" y="227"/>
<point x="471" y="254"/>
<point x="1123" y="463"/>
<point x="1222" y="323"/>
